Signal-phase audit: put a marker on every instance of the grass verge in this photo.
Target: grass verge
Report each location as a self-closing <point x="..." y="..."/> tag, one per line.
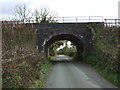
<point x="22" y="64"/>
<point x="45" y="68"/>
<point x="104" y="56"/>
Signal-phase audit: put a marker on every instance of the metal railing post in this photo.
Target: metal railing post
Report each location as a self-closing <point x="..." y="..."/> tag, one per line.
<point x="63" y="19"/>
<point x="106" y="22"/>
<point x="76" y="19"/>
<point x="102" y="18"/>
<point x="115" y="22"/>
<point x="89" y="18"/>
<point x="79" y="19"/>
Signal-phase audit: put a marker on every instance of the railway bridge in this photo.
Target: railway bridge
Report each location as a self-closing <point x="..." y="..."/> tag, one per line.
<point x="80" y="34"/>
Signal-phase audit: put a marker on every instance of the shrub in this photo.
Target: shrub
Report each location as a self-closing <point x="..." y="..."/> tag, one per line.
<point x="105" y="54"/>
<point x="21" y="62"/>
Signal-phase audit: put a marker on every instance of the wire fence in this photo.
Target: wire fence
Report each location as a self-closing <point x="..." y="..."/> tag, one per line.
<point x="112" y="22"/>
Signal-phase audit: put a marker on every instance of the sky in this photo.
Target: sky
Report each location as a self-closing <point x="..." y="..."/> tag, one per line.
<point x="62" y="46"/>
<point x="119" y="10"/>
<point x="106" y="8"/>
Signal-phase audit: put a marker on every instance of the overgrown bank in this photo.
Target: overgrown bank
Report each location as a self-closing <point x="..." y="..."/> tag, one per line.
<point x="104" y="56"/>
<point x="22" y="64"/>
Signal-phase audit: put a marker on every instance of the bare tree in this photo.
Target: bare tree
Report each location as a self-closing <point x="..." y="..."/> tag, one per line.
<point x="22" y="13"/>
<point x="44" y="16"/>
<point x="37" y="16"/>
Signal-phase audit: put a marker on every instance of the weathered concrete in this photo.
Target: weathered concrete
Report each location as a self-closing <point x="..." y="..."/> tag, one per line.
<point x="78" y="33"/>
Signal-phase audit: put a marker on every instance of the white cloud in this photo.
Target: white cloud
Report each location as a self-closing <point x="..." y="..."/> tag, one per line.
<point x="106" y="8"/>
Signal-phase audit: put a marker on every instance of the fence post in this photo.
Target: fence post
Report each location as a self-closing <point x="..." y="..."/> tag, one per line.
<point x="89" y="18"/>
<point x="106" y="22"/>
<point x="102" y="18"/>
<point x="115" y="22"/>
<point x="109" y="24"/>
<point x="76" y="19"/>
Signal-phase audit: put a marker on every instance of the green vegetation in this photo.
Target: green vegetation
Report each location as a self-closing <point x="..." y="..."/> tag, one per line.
<point x="66" y="50"/>
<point x="45" y="68"/>
<point x="104" y="57"/>
<point x="53" y="48"/>
<point x="22" y="64"/>
<point x="70" y="51"/>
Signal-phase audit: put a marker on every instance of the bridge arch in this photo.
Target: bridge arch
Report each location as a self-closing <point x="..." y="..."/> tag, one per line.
<point x="74" y="39"/>
<point x="78" y="33"/>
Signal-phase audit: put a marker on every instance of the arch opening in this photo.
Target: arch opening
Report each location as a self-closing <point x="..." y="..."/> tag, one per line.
<point x="61" y="49"/>
<point x="73" y="39"/>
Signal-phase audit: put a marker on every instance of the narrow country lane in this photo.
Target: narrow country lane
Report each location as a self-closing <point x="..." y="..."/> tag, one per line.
<point x="71" y="74"/>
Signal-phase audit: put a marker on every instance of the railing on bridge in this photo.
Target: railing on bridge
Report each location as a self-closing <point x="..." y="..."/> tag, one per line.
<point x="85" y="19"/>
<point x="79" y="19"/>
<point x="111" y="22"/>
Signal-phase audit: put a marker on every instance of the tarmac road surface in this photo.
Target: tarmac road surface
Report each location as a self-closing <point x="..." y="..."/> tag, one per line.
<point x="66" y="73"/>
